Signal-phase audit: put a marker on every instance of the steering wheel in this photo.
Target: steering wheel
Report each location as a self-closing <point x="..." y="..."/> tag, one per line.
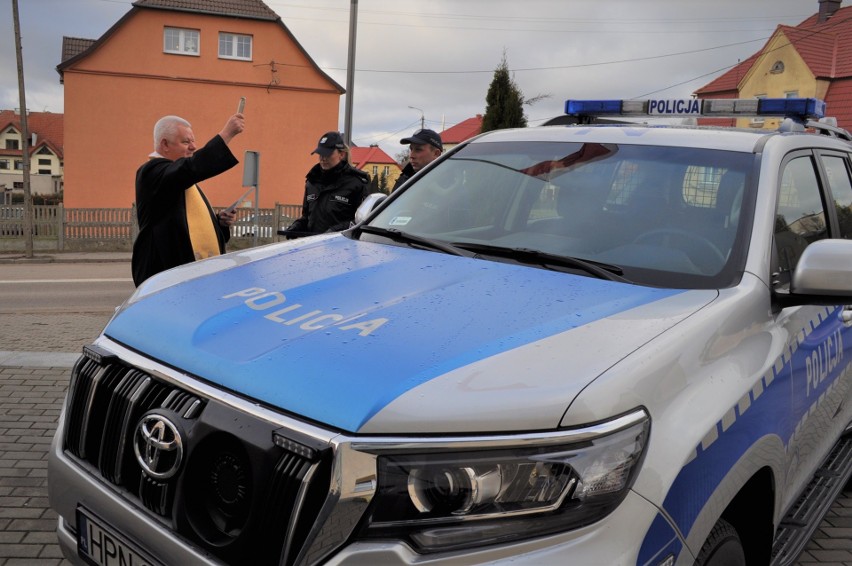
<point x="701" y="251"/>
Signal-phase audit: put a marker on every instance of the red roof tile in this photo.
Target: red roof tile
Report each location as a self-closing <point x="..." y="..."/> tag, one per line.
<point x="463" y="130"/>
<point x="838" y="102"/>
<point x="361" y="156"/>
<point x="47" y="126"/>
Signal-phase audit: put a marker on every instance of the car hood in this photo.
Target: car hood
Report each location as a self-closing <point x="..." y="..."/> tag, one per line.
<point x="339" y="331"/>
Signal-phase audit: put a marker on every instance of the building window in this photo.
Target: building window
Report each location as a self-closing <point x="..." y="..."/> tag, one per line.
<point x="791" y="94"/>
<point x="233" y="46"/>
<point x="375" y="170"/>
<point x="44" y="171"/>
<point x="757" y="121"/>
<point x="4" y="164"/>
<point x="777" y="68"/>
<point x="44" y="162"/>
<point x="18" y="185"/>
<point x="19" y="165"/>
<point x="387" y="170"/>
<point x="13" y="144"/>
<point x="181" y="41"/>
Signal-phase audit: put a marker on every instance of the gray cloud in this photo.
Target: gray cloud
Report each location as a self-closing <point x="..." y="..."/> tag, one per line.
<point x="440" y="56"/>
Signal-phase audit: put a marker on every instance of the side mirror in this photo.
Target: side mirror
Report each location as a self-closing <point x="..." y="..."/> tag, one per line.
<point x="825" y="268"/>
<point x="370" y="203"/>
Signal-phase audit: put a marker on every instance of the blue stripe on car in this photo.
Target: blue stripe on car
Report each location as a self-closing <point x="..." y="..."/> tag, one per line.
<point x="753" y="417"/>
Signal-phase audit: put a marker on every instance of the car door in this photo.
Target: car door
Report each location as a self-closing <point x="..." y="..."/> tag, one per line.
<point x="817" y="352"/>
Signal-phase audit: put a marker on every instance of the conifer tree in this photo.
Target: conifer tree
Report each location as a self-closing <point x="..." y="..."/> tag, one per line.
<point x="504" y="101"/>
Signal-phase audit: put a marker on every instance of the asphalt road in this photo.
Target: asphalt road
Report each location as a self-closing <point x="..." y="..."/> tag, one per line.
<point x="58" y="307"/>
<point x="52" y="311"/>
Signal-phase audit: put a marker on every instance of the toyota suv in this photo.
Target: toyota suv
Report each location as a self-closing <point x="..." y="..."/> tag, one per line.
<point x="586" y="344"/>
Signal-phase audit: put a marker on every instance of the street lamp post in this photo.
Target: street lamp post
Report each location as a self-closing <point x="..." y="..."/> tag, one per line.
<point x="422" y="117"/>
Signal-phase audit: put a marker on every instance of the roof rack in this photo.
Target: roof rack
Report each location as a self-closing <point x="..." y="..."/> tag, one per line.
<point x="829" y="127"/>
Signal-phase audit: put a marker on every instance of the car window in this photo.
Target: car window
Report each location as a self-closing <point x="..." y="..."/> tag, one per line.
<point x="800" y="217"/>
<point x="663" y="215"/>
<point x="837" y="170"/>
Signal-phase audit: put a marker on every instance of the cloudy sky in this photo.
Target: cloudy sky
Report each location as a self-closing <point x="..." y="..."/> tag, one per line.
<point x="439" y="56"/>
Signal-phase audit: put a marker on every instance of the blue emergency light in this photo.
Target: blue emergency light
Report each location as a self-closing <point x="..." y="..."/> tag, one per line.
<point x="799" y="109"/>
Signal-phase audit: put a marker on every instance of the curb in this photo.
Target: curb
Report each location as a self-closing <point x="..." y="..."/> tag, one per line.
<point x="58" y="259"/>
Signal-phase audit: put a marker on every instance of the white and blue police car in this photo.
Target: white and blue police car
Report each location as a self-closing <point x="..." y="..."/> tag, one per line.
<point x="586" y="344"/>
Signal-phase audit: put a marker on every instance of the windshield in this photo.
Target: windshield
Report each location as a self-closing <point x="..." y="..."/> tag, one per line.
<point x="660" y="216"/>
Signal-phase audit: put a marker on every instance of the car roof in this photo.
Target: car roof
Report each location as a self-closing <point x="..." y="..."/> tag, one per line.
<point x="705" y="137"/>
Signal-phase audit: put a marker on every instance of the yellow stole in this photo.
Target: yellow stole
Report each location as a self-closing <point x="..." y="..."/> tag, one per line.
<point x="202" y="233"/>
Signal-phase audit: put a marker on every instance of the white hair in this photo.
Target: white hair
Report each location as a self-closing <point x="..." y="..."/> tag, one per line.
<point x="167" y="127"/>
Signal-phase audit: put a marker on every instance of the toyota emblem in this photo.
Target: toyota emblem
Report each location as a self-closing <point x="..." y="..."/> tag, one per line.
<point x="158" y="446"/>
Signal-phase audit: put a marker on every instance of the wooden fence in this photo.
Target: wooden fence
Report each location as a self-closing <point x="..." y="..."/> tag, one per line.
<point x="74" y="229"/>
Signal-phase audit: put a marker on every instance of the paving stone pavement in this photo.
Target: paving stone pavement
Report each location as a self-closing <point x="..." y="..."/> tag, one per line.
<point x="30" y="402"/>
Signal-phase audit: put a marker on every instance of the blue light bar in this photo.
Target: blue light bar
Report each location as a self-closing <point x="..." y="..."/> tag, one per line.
<point x="800" y="109"/>
<point x="592" y="107"/>
<point x="813" y="108"/>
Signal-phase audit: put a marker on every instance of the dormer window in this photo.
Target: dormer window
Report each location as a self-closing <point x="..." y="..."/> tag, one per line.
<point x="235" y="46"/>
<point x="181" y="41"/>
<point x="777" y="68"/>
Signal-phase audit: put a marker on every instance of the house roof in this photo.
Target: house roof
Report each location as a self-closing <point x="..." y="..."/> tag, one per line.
<point x="359" y="157"/>
<point x="75" y="49"/>
<point x="254" y="9"/>
<point x="462" y="131"/>
<point x="820" y="44"/>
<point x="47" y="126"/>
<point x="71" y="46"/>
<point x="839" y="100"/>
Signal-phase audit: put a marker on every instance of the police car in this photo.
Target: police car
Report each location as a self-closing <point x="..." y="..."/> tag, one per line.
<point x="592" y="344"/>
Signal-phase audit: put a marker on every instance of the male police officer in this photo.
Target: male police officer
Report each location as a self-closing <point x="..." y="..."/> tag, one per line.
<point x="425" y="147"/>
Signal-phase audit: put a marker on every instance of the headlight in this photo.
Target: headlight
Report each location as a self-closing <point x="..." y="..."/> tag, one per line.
<point x="445" y="499"/>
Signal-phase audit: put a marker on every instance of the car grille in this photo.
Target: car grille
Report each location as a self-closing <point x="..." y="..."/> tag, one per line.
<point x="234" y="495"/>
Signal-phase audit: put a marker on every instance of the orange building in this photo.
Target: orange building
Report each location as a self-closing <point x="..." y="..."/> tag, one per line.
<point x="195" y="59"/>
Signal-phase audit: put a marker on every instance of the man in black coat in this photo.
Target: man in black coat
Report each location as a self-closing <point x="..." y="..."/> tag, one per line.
<point x="176" y="222"/>
<point x="424" y="147"/>
<point x="333" y="190"/>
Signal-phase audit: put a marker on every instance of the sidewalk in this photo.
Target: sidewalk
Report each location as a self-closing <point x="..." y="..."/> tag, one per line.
<point x="64" y="257"/>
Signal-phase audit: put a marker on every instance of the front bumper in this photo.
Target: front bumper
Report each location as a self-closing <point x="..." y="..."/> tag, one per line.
<point x="615" y="540"/>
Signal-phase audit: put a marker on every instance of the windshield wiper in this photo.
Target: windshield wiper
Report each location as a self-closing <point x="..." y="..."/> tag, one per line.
<point x="406" y="238"/>
<point x="545" y="259"/>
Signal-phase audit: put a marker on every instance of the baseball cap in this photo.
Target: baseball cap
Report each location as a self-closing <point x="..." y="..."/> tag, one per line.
<point x="328" y="143"/>
<point x="424" y="136"/>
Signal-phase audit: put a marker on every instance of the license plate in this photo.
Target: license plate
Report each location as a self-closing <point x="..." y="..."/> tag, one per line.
<point x="100" y="545"/>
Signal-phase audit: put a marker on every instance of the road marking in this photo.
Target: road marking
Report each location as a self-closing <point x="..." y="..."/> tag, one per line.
<point x="39" y="281"/>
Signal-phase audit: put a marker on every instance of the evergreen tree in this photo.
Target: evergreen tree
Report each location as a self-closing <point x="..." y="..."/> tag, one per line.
<point x="504" y="101"/>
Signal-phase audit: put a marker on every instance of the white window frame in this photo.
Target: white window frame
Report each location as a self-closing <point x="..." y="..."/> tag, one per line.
<point x="185" y="38"/>
<point x="757" y="121"/>
<point x="230" y="46"/>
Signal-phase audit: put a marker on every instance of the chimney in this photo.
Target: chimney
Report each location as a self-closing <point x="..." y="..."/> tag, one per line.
<point x="827" y="9"/>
